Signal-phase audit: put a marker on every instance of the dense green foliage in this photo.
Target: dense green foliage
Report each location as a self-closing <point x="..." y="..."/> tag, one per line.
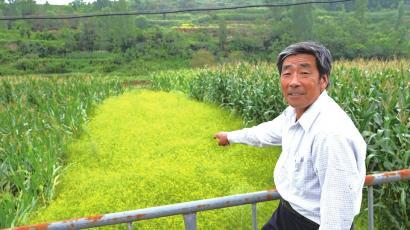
<point x="376" y="98"/>
<point x="121" y="45"/>
<point x="145" y="149"/>
<point x="38" y="117"/>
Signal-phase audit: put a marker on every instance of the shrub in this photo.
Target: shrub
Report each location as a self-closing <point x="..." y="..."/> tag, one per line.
<point x="26" y="64"/>
<point x="202" y="58"/>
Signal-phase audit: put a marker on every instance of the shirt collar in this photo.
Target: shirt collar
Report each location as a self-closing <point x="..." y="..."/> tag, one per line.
<point x="309" y="116"/>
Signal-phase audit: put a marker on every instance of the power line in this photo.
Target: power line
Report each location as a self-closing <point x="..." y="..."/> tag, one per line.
<point x="35" y="17"/>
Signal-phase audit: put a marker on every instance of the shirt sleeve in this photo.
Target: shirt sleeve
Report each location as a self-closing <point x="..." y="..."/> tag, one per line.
<point x="265" y="134"/>
<point x="337" y="165"/>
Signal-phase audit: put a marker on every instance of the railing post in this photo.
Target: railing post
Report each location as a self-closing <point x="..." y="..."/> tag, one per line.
<point x="129" y="225"/>
<point x="190" y="221"/>
<point x="370" y="206"/>
<point x="254" y="220"/>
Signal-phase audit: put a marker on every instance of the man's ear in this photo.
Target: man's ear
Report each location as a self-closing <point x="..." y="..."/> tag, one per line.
<point x="323" y="81"/>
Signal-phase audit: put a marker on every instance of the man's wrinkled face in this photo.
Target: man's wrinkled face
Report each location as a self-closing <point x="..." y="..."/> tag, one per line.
<point x="300" y="81"/>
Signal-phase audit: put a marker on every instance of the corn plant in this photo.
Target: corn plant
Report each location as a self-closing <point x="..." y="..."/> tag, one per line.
<point x="38" y="117"/>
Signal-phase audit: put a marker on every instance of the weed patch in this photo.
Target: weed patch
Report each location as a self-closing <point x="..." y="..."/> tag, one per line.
<point x="144" y="149"/>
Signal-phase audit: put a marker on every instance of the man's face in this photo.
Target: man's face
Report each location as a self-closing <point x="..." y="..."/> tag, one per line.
<point x="300" y="81"/>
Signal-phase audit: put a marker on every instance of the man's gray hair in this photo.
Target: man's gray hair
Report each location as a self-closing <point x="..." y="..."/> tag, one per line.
<point x="321" y="53"/>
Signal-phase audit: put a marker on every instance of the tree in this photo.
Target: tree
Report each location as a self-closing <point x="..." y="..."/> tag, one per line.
<point x="27" y="7"/>
<point x="2" y="5"/>
<point x="202" y="58"/>
<point x="357" y="36"/>
<point x="186" y="4"/>
<point x="276" y="12"/>
<point x="222" y="34"/>
<point x="2" y="10"/>
<point x="236" y="56"/>
<point x="382" y="4"/>
<point x="41" y="25"/>
<point x="142" y="22"/>
<point x="335" y="6"/>
<point x="21" y="7"/>
<point x="349" y="6"/>
<point x="358" y="27"/>
<point x="88" y="36"/>
<point x="70" y="43"/>
<point x="401" y="29"/>
<point x="360" y="10"/>
<point x="101" y="4"/>
<point x="77" y="4"/>
<point x="330" y="32"/>
<point x="302" y="22"/>
<point x="400" y="15"/>
<point x="116" y="32"/>
<point x="156" y="5"/>
<point x="24" y="29"/>
<point x="123" y="27"/>
<point x="138" y="5"/>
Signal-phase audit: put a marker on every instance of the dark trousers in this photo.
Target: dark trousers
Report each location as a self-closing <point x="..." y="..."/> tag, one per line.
<point x="286" y="218"/>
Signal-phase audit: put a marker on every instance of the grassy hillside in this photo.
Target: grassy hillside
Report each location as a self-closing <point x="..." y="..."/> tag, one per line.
<point x="129" y="45"/>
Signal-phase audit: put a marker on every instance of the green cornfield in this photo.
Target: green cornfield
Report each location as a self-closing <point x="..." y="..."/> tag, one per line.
<point x="39" y="116"/>
<point x="375" y="94"/>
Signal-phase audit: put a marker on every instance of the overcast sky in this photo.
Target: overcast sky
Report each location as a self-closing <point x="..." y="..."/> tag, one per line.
<point x="59" y="2"/>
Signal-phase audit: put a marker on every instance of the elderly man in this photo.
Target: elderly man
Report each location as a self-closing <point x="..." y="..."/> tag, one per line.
<point x="321" y="170"/>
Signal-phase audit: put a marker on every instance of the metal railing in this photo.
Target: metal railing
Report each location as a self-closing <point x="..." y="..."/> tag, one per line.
<point x="189" y="209"/>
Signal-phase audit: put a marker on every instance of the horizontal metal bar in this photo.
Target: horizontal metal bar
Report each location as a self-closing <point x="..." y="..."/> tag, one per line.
<point x="194" y="206"/>
<point x="160" y="211"/>
<point x="387" y="177"/>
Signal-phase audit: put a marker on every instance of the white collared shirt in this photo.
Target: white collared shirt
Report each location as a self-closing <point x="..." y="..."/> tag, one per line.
<point x="321" y="169"/>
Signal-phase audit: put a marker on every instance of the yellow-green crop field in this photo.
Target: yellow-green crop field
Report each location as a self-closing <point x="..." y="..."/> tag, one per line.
<point x="145" y="149"/>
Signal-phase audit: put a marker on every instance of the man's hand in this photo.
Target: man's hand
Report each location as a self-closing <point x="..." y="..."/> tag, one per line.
<point x="222" y="138"/>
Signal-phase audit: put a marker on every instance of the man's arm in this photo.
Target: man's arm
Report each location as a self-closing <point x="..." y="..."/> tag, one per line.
<point x="266" y="134"/>
<point x="337" y="164"/>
